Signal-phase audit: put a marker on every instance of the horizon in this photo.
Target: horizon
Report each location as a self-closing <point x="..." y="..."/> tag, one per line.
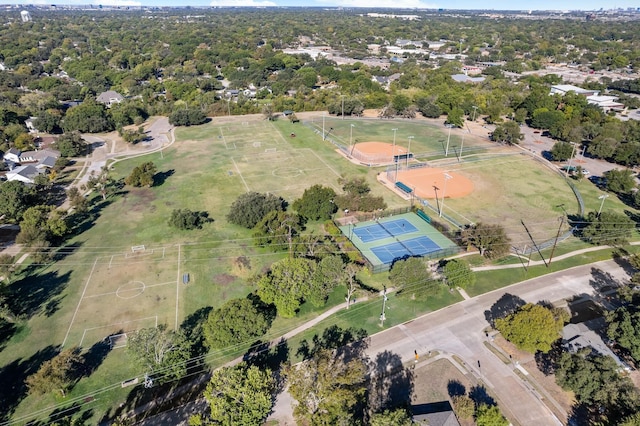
<point x="396" y="5"/>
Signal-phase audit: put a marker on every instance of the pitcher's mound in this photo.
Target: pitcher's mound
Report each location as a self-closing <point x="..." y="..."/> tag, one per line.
<point x="430" y="182"/>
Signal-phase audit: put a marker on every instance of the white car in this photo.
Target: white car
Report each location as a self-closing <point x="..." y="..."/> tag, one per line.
<point x="585" y="172"/>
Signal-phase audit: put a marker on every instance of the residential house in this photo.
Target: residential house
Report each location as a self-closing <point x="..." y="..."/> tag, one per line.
<point x="43" y="159"/>
<point x="109" y="98"/>
<point x="26" y="174"/>
<point x="463" y="78"/>
<point x="582" y="335"/>
<point x="434" y="414"/>
<point x="12" y="156"/>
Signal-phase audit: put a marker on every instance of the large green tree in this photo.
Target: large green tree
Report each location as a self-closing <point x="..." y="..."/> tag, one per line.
<point x="88" y="117"/>
<point x="620" y="181"/>
<point x="412" y="277"/>
<point x="610" y="228"/>
<point x="624" y="329"/>
<point x="56" y="374"/>
<point x="490" y="240"/>
<point x="277" y="230"/>
<point x="237" y="321"/>
<point x="317" y="203"/>
<point x="458" y="274"/>
<point x="562" y="151"/>
<point x="508" y="132"/>
<point x="249" y="208"/>
<point x="532" y="328"/>
<point x="490" y="415"/>
<point x="240" y="395"/>
<point x="286" y="284"/>
<point x="15" y="199"/>
<point x="327" y="388"/>
<point x="71" y="144"/>
<point x="161" y="352"/>
<point x="142" y="175"/>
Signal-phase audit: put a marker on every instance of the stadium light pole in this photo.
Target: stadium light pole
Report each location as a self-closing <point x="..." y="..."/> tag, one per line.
<point x="384" y="306"/>
<point x="409" y="150"/>
<point x="475" y="109"/>
<point x="573" y="151"/>
<point x="602" y="197"/>
<point x="444" y="189"/>
<point x="351" y="138"/>
<point x="446" y="151"/>
<point x="461" y="147"/>
<point x="322" y="125"/>
<point x="342" y="96"/>
<point x="394" y="142"/>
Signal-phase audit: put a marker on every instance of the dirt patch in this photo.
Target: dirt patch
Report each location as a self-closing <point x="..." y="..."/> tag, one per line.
<point x="140" y="199"/>
<point x="430" y="182"/>
<point x="224" y="279"/>
<point x="376" y="152"/>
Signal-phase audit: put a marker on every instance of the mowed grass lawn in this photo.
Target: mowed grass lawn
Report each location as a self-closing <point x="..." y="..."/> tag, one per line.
<point x="512" y="189"/>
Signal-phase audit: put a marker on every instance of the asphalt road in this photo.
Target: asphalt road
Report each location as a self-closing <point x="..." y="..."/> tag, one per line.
<point x="459" y="329"/>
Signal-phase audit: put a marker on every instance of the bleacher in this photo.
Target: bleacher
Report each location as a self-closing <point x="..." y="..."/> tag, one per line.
<point x="423" y="215"/>
<point x="404" y="187"/>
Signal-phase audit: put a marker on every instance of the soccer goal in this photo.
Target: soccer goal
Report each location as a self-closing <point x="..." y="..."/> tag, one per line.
<point x="118" y="340"/>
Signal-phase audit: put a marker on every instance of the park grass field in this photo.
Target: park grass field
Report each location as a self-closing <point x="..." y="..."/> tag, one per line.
<point x="512" y="189"/>
<point x="427" y="140"/>
<point x="206" y="169"/>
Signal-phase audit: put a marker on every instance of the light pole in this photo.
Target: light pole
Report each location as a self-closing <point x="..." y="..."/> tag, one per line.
<point x="394" y="143"/>
<point x="351" y="137"/>
<point x="409" y="150"/>
<point x="573" y="150"/>
<point x="475" y="109"/>
<point x="461" y="147"/>
<point x="446" y="151"/>
<point x="323" y="134"/>
<point x="384" y="306"/>
<point x="602" y="197"/>
<point x="342" y="96"/>
<point x="444" y="189"/>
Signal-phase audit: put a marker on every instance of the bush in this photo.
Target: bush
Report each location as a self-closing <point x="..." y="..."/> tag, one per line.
<point x="187" y="117"/>
<point x="185" y="219"/>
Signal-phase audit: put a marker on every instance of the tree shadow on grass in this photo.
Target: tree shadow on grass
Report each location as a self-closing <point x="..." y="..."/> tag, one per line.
<point x="390" y="384"/>
<point x="12" y="377"/>
<point x="455" y="388"/>
<point x="93" y="358"/>
<point x="31" y="294"/>
<point x="506" y="305"/>
<point x="192" y="328"/>
<point x="161" y="177"/>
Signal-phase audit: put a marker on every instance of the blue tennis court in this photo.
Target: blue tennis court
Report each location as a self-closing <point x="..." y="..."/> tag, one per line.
<point x="381" y="230"/>
<point x="414" y="247"/>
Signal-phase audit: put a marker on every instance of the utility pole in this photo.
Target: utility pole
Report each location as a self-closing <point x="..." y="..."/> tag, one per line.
<point x="602" y="197"/>
<point x="384" y="307"/>
<point x="556" y="241"/>
<point x="534" y="243"/>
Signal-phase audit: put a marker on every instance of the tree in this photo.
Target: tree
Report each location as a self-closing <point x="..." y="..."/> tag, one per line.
<point x="48" y="122"/>
<point x="411" y="277"/>
<point x="619" y="181"/>
<point x="532" y="328"/>
<point x="455" y="117"/>
<point x="317" y="203"/>
<point x="357" y="196"/>
<point x="187" y="117"/>
<point x="329" y="273"/>
<point x="285" y="285"/>
<point x="251" y="207"/>
<point x="240" y="395"/>
<point x="545" y="119"/>
<point x="185" y="219"/>
<point x="79" y="202"/>
<point x="428" y="109"/>
<point x="41" y="223"/>
<point x="624" y="328"/>
<point x="327" y="387"/>
<point x="463" y="406"/>
<point x="160" y="350"/>
<point x="508" y="132"/>
<point x="71" y="145"/>
<point x="490" y="415"/>
<point x="142" y="175"/>
<point x="237" y="321"/>
<point x="101" y="182"/>
<point x="562" y="151"/>
<point x="490" y="240"/>
<point x="88" y="117"/>
<point x="459" y="274"/>
<point x="608" y="228"/>
<point x="596" y="383"/>
<point x="15" y="199"/>
<point x="56" y="374"/>
<point x="277" y="230"/>
<point x="398" y="417"/>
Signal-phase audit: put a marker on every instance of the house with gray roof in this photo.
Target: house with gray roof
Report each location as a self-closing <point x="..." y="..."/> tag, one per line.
<point x="26" y="174"/>
<point x="109" y="98"/>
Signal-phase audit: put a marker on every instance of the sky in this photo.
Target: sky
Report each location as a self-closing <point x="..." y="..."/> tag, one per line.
<point x="429" y="4"/>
